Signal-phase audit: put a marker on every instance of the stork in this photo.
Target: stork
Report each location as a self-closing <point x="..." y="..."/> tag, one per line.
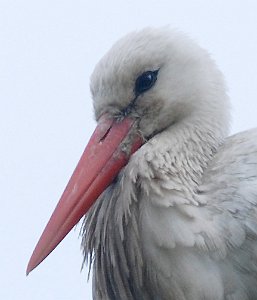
<point x="170" y="202"/>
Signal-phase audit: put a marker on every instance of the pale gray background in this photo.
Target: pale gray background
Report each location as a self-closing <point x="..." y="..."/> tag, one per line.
<point x="47" y="51"/>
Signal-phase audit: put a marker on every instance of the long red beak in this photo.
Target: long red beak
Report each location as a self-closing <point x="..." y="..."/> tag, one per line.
<point x="100" y="163"/>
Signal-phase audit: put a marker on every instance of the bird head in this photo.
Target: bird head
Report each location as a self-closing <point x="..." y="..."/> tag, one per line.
<point x="148" y="82"/>
<point x="160" y="77"/>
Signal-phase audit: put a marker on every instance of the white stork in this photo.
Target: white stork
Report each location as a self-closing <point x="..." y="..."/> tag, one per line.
<point x="170" y="202"/>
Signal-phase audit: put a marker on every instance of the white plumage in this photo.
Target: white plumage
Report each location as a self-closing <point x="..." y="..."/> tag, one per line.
<point x="176" y="220"/>
<point x="180" y="220"/>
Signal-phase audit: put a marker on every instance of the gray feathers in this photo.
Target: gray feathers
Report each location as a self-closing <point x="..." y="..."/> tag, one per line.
<point x="113" y="242"/>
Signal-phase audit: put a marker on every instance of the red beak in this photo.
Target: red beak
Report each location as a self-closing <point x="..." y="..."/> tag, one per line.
<point x="100" y="163"/>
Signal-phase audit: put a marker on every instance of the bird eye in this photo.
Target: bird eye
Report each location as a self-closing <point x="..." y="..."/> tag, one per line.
<point x="145" y="81"/>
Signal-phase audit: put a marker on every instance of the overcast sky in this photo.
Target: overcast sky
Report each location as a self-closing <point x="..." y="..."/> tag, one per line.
<point x="48" y="50"/>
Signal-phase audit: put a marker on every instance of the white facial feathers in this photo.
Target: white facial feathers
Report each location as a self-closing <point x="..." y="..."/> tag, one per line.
<point x="189" y="86"/>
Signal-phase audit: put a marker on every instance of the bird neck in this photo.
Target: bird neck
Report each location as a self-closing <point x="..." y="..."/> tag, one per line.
<point x="173" y="160"/>
<point x="176" y="158"/>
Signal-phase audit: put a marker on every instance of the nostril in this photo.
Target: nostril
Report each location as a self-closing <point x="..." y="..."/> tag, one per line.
<point x="105" y="124"/>
<point x="105" y="135"/>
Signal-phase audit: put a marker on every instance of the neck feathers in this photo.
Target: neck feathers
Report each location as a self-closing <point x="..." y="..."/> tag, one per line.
<point x="173" y="160"/>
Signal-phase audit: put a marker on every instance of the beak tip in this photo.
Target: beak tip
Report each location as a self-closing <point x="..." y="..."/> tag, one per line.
<point x="31" y="266"/>
<point x="28" y="271"/>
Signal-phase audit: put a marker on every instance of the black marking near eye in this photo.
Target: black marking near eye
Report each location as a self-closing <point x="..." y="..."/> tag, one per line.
<point x="145" y="81"/>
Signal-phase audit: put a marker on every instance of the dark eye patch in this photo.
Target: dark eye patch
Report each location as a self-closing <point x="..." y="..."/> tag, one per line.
<point x="145" y="81"/>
